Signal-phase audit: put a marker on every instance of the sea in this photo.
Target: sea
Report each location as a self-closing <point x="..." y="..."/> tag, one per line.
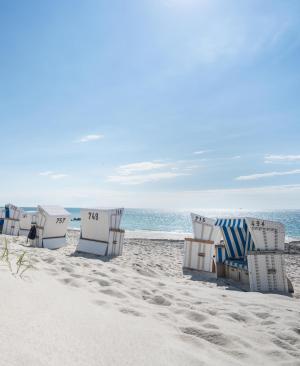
<point x="156" y="223"/>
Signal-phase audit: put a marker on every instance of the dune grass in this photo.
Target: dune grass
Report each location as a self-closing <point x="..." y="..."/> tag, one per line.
<point x="17" y="263"/>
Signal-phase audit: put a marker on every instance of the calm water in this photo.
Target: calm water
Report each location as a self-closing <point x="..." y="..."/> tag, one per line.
<point x="179" y="222"/>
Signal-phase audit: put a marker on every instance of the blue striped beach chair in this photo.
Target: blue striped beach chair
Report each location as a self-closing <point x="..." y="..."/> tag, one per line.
<point x="253" y="253"/>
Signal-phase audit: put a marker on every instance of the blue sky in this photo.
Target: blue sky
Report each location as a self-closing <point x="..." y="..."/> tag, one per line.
<point x="150" y="103"/>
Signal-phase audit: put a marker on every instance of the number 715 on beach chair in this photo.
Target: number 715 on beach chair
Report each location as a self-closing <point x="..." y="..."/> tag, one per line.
<point x="199" y="252"/>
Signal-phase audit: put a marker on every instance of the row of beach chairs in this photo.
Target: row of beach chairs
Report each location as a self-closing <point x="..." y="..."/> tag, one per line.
<point x="248" y="251"/>
<point x="47" y="228"/>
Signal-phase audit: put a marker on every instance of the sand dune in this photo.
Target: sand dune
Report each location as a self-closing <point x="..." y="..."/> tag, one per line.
<point x="139" y="309"/>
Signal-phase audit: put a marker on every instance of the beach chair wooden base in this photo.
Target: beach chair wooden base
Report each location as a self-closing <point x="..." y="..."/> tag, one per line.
<point x="267" y="272"/>
<point x="239" y="275"/>
<point x="112" y="248"/>
<point x="199" y="255"/>
<point x="220" y="270"/>
<point x="92" y="247"/>
<point x="54" y="243"/>
<point x="11" y="227"/>
<point x="23" y="232"/>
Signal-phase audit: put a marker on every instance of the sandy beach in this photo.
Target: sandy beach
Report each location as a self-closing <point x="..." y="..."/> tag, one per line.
<point x="138" y="309"/>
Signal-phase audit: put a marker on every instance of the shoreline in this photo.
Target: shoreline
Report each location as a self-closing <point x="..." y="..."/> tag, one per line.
<point x="173" y="236"/>
<point x="148" y="234"/>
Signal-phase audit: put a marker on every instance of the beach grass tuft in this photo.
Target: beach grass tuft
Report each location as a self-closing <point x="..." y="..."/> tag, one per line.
<point x="17" y="263"/>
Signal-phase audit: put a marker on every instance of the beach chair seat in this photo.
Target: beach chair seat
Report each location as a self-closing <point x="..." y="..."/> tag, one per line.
<point x="237" y="270"/>
<point x="237" y="263"/>
<point x="27" y="218"/>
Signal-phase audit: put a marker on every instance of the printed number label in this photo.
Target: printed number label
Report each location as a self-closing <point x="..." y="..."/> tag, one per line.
<point x="200" y="219"/>
<point x="258" y="223"/>
<point x="60" y="220"/>
<point x="93" y="216"/>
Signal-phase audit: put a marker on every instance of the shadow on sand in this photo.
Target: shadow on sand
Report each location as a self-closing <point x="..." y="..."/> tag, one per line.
<point x="91" y="256"/>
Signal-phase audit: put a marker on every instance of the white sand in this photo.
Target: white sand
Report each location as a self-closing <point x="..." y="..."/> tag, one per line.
<point x="138" y="309"/>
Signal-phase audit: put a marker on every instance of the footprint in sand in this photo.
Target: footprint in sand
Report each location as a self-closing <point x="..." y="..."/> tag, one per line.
<point x="194" y="316"/>
<point x="159" y="300"/>
<point x="267" y="322"/>
<point x="113" y="293"/>
<point x="291" y="339"/>
<point x="67" y="269"/>
<point x="237" y="354"/>
<point x="101" y="274"/>
<point x="130" y="312"/>
<point x="52" y="271"/>
<point x="70" y="281"/>
<point x="35" y="260"/>
<point x="297" y="330"/>
<point x="214" y="337"/>
<point x="210" y="326"/>
<point x="282" y="344"/>
<point x="103" y="282"/>
<point x="116" y="280"/>
<point x="238" y="317"/>
<point x="49" y="260"/>
<point x="262" y="315"/>
<point x="99" y="302"/>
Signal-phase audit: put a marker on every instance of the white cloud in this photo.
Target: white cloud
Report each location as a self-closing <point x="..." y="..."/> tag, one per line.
<point x="58" y="176"/>
<point x="267" y="175"/>
<point x="136" y="179"/>
<point x="151" y="171"/>
<point x="140" y="167"/>
<point x="281" y="158"/>
<point x="201" y="152"/>
<point x="89" y="138"/>
<point x="47" y="173"/>
<point x="52" y="175"/>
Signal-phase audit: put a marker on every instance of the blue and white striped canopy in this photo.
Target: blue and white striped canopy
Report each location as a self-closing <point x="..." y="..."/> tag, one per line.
<point x="238" y="240"/>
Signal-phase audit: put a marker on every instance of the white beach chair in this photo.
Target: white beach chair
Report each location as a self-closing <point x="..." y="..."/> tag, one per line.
<point x="255" y="253"/>
<point x="27" y="218"/>
<point x="199" y="252"/>
<point x="10" y="220"/>
<point x="100" y="232"/>
<point x="51" y="226"/>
